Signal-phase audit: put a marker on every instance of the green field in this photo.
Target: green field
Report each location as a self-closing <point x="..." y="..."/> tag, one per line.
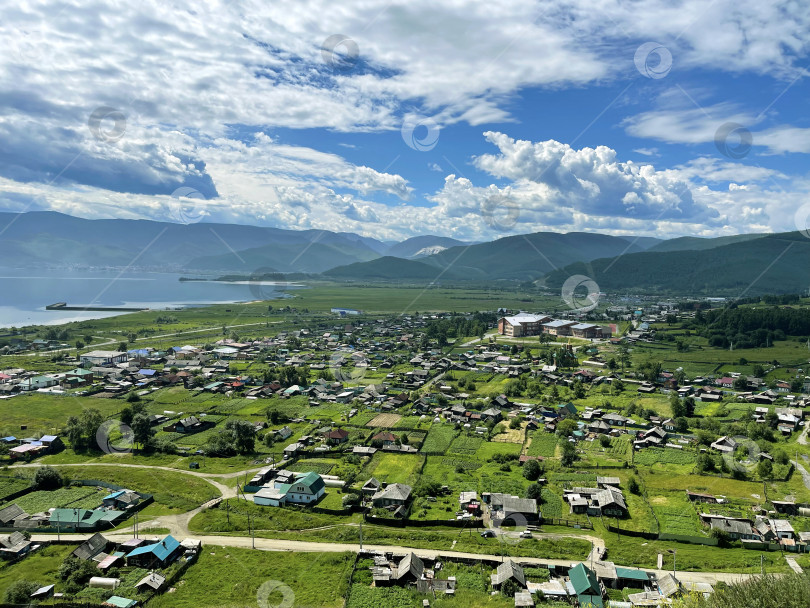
<point x="394" y="468"/>
<point x="230" y="577"/>
<point x="439" y="438"/>
<point x="83" y="497"/>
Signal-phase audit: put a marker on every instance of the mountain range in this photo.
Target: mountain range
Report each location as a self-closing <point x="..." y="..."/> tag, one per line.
<point x="754" y="263"/>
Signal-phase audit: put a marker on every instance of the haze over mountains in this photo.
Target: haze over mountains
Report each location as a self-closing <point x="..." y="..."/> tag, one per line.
<point x="775" y="263"/>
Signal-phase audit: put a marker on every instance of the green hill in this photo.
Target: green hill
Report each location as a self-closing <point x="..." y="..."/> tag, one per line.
<point x="695" y="243"/>
<point x="778" y="263"/>
<point x="391" y="268"/>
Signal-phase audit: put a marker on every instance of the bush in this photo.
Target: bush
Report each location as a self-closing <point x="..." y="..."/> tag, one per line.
<point x="19" y="592"/>
<point x="633" y="486"/>
<point x="48" y="478"/>
<point x="604" y="441"/>
<point x="532" y="470"/>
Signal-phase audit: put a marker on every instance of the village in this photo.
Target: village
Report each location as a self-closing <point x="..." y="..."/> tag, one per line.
<point x="575" y="466"/>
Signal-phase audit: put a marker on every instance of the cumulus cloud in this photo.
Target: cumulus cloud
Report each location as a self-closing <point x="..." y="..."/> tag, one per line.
<point x="590" y="180"/>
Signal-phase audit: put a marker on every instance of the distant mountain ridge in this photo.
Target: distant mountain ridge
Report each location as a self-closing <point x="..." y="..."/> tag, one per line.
<point x="630" y="263"/>
<point x="774" y="263"/>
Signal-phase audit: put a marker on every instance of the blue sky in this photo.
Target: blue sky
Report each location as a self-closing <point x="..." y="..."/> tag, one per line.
<point x="393" y="119"/>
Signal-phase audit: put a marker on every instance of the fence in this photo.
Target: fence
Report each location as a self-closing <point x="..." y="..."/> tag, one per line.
<point x="555" y="521"/>
<point x="424" y="523"/>
<point x="686" y="538"/>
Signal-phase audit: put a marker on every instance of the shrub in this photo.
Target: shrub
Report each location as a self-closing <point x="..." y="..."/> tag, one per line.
<point x="48" y="478"/>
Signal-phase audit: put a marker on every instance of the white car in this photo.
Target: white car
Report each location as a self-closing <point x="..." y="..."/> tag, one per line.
<point x="526" y="534"/>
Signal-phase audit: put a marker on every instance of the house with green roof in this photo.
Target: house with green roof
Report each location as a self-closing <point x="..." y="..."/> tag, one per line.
<point x="116" y="601"/>
<point x="307" y="489"/>
<point x="85" y="520"/>
<point x="586" y="586"/>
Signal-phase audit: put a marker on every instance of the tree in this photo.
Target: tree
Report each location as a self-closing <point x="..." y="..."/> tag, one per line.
<point x="682" y="424"/>
<point x="244" y="435"/>
<point x="122" y="346"/>
<point x="566" y="427"/>
<point x="532" y="470"/>
<point x="569" y="454"/>
<point x="75" y="433"/>
<point x="765" y="469"/>
<point x="349" y="500"/>
<point x="79" y="345"/>
<point x="509" y="588"/>
<point x="633" y="487"/>
<point x="133" y="397"/>
<point x="142" y="431"/>
<point x="90" y="420"/>
<point x="604" y="441"/>
<point x="48" y="478"/>
<point x="19" y="592"/>
<point x="534" y="491"/>
<point x="676" y="405"/>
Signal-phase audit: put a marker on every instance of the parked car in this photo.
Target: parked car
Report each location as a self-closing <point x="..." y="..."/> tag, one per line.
<point x="487" y="534"/>
<point x="526" y="534"/>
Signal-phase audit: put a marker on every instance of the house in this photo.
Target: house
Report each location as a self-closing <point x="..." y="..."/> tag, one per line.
<point x="292" y="450"/>
<point x="14" y="545"/>
<point x="586" y="330"/>
<point x="386" y="438"/>
<point x="508" y="570"/>
<point x="394" y="495"/>
<point x="188" y="425"/>
<point x="409" y="570"/>
<point x="121" y="499"/>
<point x="77" y="377"/>
<point x="336" y="436"/>
<point x="522" y="324"/>
<point x="735" y="528"/>
<point x="724" y="444"/>
<point x="284" y="432"/>
<point x="11" y="513"/>
<point x="304" y="490"/>
<point x="90" y="548"/>
<point x="586" y="586"/>
<point x="558" y="327"/>
<point x="371" y="487"/>
<point x="102" y="358"/>
<point x="158" y="555"/>
<point x="84" y="520"/>
<point x="508" y="508"/>
<point x="151" y="582"/>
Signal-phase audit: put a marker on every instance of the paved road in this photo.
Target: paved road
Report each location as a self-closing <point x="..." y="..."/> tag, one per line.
<point x="267" y="544"/>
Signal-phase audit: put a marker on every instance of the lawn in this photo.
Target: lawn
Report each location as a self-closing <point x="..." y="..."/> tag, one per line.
<point x="231" y="577"/>
<point x="394" y="468"/>
<point x="174" y="492"/>
<point x="320" y="466"/>
<point x="439" y="438"/>
<point x="12" y="485"/>
<point x="489" y="448"/>
<point x="676" y="514"/>
<point x="41" y="567"/>
<point x="77" y="497"/>
<point x="465" y="444"/>
<point x="543" y="444"/>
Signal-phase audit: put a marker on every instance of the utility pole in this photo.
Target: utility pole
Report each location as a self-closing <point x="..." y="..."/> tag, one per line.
<point x="762" y="564"/>
<point x="361" y="535"/>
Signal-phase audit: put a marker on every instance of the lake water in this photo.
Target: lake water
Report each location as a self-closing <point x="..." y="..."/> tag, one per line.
<point x="24" y="294"/>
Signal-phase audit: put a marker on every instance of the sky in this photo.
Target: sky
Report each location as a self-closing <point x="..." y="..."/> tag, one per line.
<point x="473" y="120"/>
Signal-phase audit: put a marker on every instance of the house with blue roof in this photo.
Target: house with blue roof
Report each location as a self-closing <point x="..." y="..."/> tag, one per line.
<point x="158" y="555"/>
